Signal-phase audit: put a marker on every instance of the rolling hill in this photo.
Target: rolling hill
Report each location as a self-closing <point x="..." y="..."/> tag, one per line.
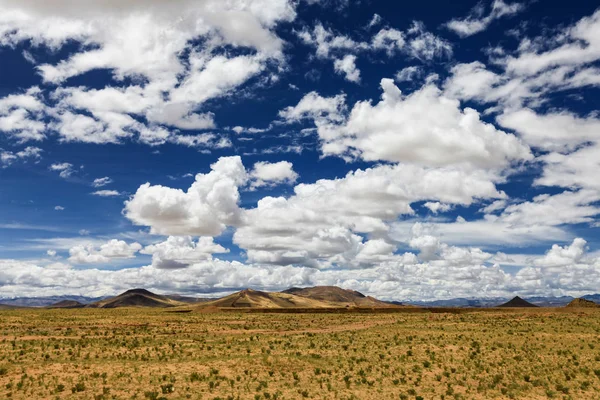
<point x="582" y="303"/>
<point x="137" y="298"/>
<point x="256" y="299"/>
<point x="67" y="304"/>
<point x="517" y="302"/>
<point x="316" y="297"/>
<point x="337" y="296"/>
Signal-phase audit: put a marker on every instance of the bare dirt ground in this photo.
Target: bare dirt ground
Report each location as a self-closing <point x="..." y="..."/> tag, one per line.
<point x="156" y="354"/>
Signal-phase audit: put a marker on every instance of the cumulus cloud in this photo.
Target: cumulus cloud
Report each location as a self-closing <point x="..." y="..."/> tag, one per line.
<point x="559" y="256"/>
<point x="271" y="174"/>
<point x="107" y="252"/>
<point x="424" y="128"/>
<point x="205" y="209"/>
<point x="347" y="66"/>
<point x="181" y="251"/>
<point x="562" y="131"/>
<point x="451" y="272"/>
<point x="21" y="116"/>
<point x="477" y="22"/>
<point x="137" y="40"/>
<point x="318" y="225"/>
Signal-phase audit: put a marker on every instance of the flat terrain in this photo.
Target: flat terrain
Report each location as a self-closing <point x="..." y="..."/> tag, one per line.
<point x="140" y="353"/>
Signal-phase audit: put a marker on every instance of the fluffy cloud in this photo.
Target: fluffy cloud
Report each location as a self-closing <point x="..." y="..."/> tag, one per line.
<point x="424" y="128"/>
<point x="409" y="73"/>
<point x="270" y="174"/>
<point x="318" y="225"/>
<point x="21" y="116"/>
<point x="180" y="252"/>
<point x="559" y="256"/>
<point x="347" y="67"/>
<point x="451" y="272"/>
<point x="28" y="153"/>
<point x="206" y="208"/>
<point x="137" y="40"/>
<point x="553" y="131"/>
<point x="476" y="22"/>
<point x="416" y="42"/>
<point x="539" y="67"/>
<point x="113" y="249"/>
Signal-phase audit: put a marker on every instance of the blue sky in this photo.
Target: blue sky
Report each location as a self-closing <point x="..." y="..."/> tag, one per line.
<point x="409" y="151"/>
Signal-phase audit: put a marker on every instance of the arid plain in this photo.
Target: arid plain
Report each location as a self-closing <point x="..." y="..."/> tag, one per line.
<point x="157" y="353"/>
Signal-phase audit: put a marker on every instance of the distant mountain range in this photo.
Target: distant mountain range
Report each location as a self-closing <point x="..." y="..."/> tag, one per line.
<point x="539" y="301"/>
<point x="314" y="297"/>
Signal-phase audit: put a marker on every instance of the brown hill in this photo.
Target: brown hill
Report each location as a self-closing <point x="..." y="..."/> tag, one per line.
<point x="338" y="296"/>
<point x="256" y="299"/>
<point x="137" y="298"/>
<point x="306" y="298"/>
<point x="67" y="304"/>
<point x="582" y="303"/>
<point x="517" y="302"/>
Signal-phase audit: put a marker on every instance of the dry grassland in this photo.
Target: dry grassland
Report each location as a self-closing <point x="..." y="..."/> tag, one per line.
<point x="156" y="354"/>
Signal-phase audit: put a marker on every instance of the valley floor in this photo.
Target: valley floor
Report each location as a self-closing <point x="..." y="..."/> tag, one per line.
<point x="155" y="354"/>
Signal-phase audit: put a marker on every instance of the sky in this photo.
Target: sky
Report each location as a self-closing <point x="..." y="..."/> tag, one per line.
<point x="407" y="150"/>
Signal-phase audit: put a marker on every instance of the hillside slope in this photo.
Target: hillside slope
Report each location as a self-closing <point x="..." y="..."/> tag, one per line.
<point x="67" y="304"/>
<point x="582" y="303"/>
<point x="137" y="298"/>
<point x="337" y="296"/>
<point x="256" y="299"/>
<point x="517" y="302"/>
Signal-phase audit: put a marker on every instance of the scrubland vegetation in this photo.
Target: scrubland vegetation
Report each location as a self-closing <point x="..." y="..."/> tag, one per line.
<point x="155" y="354"/>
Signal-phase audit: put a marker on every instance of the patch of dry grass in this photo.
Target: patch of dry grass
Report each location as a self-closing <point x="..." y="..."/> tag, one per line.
<point x="154" y="354"/>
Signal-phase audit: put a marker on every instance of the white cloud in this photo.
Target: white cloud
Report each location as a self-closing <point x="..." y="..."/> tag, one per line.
<point x="424" y="128"/>
<point x="106" y="193"/>
<point x="436" y="207"/>
<point x="541" y="66"/>
<point x="347" y="67"/>
<point x="21" y="116"/>
<point x="59" y="208"/>
<point x="559" y="256"/>
<point x="99" y="182"/>
<point x="29" y="153"/>
<point x="182" y="251"/>
<point x="452" y="272"/>
<point x="153" y="41"/>
<point x="107" y="252"/>
<point x="65" y="169"/>
<point x="318" y="225"/>
<point x="205" y="209"/>
<point x="313" y="106"/>
<point x="389" y="39"/>
<point x="409" y="73"/>
<point x="476" y="22"/>
<point x="326" y="42"/>
<point x="553" y="131"/>
<point x="579" y="45"/>
<point x="564" y="208"/>
<point x="271" y="174"/>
